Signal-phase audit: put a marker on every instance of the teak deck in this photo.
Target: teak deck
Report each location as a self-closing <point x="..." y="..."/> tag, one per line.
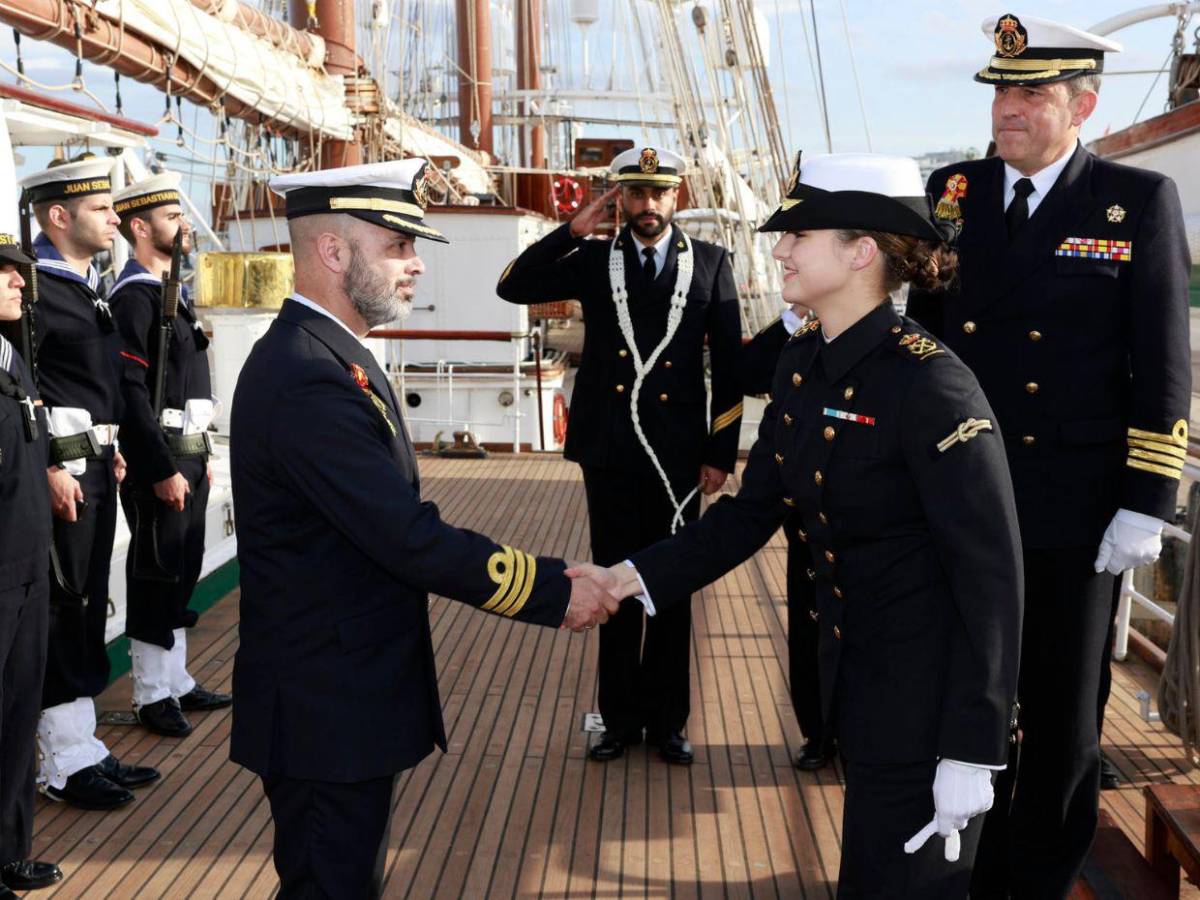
<point x="515" y="808"/>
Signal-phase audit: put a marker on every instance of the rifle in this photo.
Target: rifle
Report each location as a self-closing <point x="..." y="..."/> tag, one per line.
<point x="146" y="561"/>
<point x="29" y="294"/>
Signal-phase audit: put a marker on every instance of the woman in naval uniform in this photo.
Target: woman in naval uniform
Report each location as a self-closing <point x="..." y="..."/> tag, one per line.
<point x="880" y="450"/>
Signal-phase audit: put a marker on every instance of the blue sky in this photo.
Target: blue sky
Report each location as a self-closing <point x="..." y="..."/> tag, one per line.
<point x="915" y="62"/>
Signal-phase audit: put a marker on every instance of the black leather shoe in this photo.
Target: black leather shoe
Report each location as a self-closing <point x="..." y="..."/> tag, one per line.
<point x="6" y="894"/>
<point x="611" y="747"/>
<point x="163" y="717"/>
<point x="126" y="776"/>
<point x="674" y="748"/>
<point x="29" y="875"/>
<point x="90" y="789"/>
<point x="198" y="698"/>
<point x="811" y="757"/>
<point x="1110" y="778"/>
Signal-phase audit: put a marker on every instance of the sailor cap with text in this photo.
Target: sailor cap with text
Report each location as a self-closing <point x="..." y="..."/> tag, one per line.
<point x="390" y="194"/>
<point x="10" y="250"/>
<point x="859" y="191"/>
<point x="1030" y="51"/>
<point x="648" y="165"/>
<point x="144" y="195"/>
<point x="69" y="180"/>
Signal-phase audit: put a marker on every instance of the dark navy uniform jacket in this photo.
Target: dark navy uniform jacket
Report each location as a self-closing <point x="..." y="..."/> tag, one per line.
<point x="78" y="349"/>
<point x="672" y="405"/>
<point x="24" y="491"/>
<point x="883" y="450"/>
<point x="1084" y="358"/>
<point x="334" y="677"/>
<point x="137" y="305"/>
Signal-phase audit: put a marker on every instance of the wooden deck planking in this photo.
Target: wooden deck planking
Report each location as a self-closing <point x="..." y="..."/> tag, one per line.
<point x="515" y="808"/>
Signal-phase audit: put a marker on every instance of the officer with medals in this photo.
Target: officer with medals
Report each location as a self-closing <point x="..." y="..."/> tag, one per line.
<point x="78" y="364"/>
<point x="334" y="676"/>
<point x="760" y="357"/>
<point x="1073" y="314"/>
<point x="24" y="590"/>
<point x="641" y="425"/>
<point x="165" y="492"/>
<point x="880" y="448"/>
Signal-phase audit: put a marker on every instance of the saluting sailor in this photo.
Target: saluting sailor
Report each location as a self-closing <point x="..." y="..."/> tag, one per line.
<point x="641" y="425"/>
<point x="881" y="448"/>
<point x="334" y="677"/>
<point x="165" y="492"/>
<point x="1073" y="314"/>
<point x="24" y="589"/>
<point x="78" y="366"/>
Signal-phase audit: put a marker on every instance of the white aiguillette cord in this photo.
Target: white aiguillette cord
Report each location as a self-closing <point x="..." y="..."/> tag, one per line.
<point x="683" y="281"/>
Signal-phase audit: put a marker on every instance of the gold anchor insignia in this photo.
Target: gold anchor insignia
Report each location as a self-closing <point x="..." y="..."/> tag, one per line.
<point x="807" y="328"/>
<point x="920" y="346"/>
<point x="648" y="161"/>
<point x="964" y="432"/>
<point x="420" y="188"/>
<point x="1010" y="36"/>
<point x="1116" y="213"/>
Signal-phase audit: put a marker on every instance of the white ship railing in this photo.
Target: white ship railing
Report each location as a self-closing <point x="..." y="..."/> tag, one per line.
<point x="516" y="338"/>
<point x="1131" y="595"/>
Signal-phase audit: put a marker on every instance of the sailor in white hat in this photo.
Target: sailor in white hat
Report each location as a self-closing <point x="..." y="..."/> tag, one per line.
<point x="880" y="450"/>
<point x="165" y="493"/>
<point x="1073" y="313"/>
<point x="641" y="423"/>
<point x="79" y="366"/>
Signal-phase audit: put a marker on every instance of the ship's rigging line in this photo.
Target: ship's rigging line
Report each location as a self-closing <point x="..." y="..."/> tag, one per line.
<point x="862" y="106"/>
<point x="812" y="6"/>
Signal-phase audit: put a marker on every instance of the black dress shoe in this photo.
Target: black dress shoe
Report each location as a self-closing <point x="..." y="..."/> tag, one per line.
<point x="163" y="717"/>
<point x="198" y="698"/>
<point x="674" y="748"/>
<point x="811" y="757"/>
<point x="6" y="894"/>
<point x="611" y="747"/>
<point x="89" y="789"/>
<point x="126" y="776"/>
<point x="29" y="875"/>
<point x="1110" y="778"/>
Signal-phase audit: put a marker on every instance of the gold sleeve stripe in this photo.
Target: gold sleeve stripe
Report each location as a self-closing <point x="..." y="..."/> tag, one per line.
<point x="527" y="588"/>
<point x="1177" y="437"/>
<point x="514" y="571"/>
<point x="507" y="270"/>
<point x="1159" y="458"/>
<point x="727" y="418"/>
<point x="1151" y="467"/>
<point x="1159" y="447"/>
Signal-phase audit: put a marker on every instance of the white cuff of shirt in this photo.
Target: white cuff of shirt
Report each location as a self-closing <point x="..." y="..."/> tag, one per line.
<point x="999" y="768"/>
<point x="644" y="596"/>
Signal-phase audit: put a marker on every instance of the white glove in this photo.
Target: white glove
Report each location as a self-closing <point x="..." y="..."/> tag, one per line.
<point x="1132" y="539"/>
<point x="960" y="791"/>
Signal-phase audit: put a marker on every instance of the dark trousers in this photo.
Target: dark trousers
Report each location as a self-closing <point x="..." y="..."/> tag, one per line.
<point x="644" y="660"/>
<point x="803" y="634"/>
<point x="23" y="614"/>
<point x="1035" y="845"/>
<point x="1106" y="662"/>
<point x="330" y="838"/>
<point x="156" y="607"/>
<point x="77" y="659"/>
<point x="885" y="806"/>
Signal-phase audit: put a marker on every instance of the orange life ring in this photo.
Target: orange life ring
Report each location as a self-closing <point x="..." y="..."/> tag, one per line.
<point x="560" y="418"/>
<point x="567" y="194"/>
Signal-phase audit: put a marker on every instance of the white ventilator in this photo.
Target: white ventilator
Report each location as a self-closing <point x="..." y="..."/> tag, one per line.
<point x="683" y="281"/>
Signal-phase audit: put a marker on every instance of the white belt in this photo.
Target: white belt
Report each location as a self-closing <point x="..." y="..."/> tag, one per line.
<point x="105" y="435"/>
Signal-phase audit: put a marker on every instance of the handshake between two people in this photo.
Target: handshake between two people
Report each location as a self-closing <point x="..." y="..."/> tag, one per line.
<point x="597" y="592"/>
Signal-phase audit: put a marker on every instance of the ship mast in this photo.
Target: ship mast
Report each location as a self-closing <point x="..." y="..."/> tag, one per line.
<point x="333" y="21"/>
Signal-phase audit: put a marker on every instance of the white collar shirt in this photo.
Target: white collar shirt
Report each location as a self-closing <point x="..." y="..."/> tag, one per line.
<point x="1043" y="181"/>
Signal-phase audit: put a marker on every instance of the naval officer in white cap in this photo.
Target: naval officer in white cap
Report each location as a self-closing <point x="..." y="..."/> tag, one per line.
<point x="1073" y="313"/>
<point x="334" y="677"/>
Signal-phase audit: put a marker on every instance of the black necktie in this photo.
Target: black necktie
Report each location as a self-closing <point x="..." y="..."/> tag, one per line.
<point x="648" y="266"/>
<point x="1017" y="213"/>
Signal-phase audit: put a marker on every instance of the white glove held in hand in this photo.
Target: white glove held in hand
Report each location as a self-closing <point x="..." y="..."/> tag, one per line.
<point x="960" y="791"/>
<point x="1132" y="539"/>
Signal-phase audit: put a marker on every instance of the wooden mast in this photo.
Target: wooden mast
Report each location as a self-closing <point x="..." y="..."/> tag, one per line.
<point x="333" y="20"/>
<point x="533" y="191"/>
<point x="475" y="74"/>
